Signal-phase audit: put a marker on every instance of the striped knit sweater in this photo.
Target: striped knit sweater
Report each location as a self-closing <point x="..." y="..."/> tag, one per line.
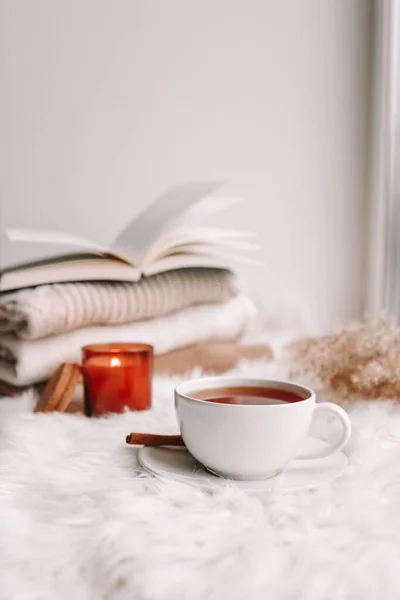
<point x="58" y="308"/>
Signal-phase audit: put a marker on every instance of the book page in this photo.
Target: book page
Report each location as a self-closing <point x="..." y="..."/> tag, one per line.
<point x="206" y="208"/>
<point x="45" y="236"/>
<point x="135" y="240"/>
<point x="171" y="263"/>
<point x="185" y="260"/>
<point x="161" y="229"/>
<point x="133" y="243"/>
<point x="61" y="238"/>
<point x="202" y="237"/>
<point x="68" y="269"/>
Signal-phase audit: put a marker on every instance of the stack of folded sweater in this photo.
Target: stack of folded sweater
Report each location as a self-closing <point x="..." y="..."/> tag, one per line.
<point x="42" y="327"/>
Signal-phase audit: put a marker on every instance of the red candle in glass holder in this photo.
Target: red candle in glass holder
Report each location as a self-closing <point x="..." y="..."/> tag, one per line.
<point x="117" y="377"/>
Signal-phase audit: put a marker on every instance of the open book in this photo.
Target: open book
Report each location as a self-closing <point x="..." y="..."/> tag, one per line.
<point x="167" y="235"/>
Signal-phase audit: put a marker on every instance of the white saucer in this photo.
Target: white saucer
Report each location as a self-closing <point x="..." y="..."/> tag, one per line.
<point x="179" y="464"/>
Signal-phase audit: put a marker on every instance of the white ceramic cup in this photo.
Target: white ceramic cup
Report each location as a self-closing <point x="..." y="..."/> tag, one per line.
<point x="250" y="442"/>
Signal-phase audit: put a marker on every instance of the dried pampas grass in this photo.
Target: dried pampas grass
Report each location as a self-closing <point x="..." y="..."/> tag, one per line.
<point x="362" y="360"/>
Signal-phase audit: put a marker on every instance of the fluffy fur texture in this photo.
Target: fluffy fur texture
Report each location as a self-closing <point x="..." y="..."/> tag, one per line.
<point x="78" y="520"/>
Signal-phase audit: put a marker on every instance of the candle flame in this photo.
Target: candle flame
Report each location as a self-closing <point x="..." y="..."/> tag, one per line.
<point x="115" y="362"/>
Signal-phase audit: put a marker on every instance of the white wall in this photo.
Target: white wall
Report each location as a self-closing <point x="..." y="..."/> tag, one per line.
<point x="105" y="103"/>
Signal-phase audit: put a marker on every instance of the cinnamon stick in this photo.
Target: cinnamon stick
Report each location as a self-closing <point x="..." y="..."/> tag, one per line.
<point x="152" y="439"/>
<point x="60" y="388"/>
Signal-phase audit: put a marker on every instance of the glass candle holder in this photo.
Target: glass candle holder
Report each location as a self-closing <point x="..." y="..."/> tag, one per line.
<point x="117" y="377"/>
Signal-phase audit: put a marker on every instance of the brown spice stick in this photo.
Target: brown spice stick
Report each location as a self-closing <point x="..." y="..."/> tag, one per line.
<point x="59" y="390"/>
<point x="69" y="390"/>
<point x="152" y="439"/>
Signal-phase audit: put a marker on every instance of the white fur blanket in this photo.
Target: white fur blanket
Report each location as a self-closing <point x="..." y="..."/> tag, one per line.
<point x="79" y="521"/>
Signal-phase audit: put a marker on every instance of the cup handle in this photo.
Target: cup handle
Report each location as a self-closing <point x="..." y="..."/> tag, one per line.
<point x="344" y="419"/>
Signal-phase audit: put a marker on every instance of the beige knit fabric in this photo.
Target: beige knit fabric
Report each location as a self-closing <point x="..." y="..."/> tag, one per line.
<point x="58" y="308"/>
<point x="24" y="362"/>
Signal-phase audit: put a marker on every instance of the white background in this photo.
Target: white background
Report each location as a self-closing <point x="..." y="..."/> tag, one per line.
<point x="105" y="103"/>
